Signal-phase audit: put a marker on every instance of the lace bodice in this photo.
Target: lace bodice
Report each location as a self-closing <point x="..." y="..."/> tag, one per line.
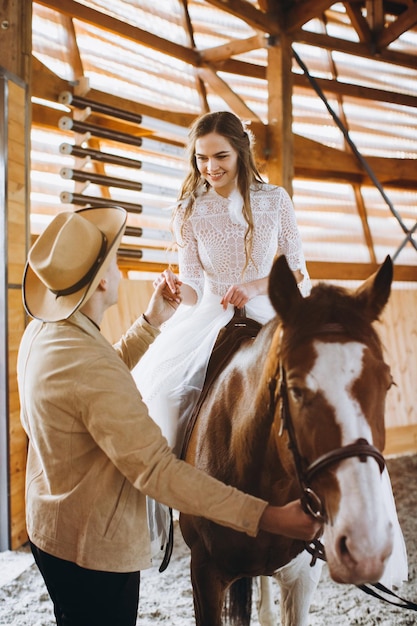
<point x="211" y="245"/>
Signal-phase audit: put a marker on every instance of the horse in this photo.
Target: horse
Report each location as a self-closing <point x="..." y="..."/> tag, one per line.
<point x="298" y="412"/>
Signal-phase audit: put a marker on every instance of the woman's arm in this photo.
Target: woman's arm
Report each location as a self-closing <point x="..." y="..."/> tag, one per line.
<point x="239" y="295"/>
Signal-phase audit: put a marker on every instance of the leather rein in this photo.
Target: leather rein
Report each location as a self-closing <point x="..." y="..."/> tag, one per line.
<point x="305" y="472"/>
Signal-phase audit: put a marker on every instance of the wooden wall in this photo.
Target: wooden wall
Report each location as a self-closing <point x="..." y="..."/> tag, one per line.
<point x="398" y="330"/>
<point x="399" y="334"/>
<point x="14" y="213"/>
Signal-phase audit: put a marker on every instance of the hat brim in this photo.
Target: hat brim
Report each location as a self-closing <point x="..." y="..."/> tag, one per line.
<point x="41" y="303"/>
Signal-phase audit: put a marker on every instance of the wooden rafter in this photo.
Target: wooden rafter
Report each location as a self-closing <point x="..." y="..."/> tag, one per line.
<point x="358" y="22"/>
<point x="233" y="47"/>
<point x="201" y="89"/>
<point x="404" y="22"/>
<point x="302" y="12"/>
<point x="233" y="100"/>
<point x="266" y="22"/>
<point x="111" y="24"/>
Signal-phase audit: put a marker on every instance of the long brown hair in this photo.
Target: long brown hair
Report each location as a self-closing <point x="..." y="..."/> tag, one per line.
<point x="229" y="126"/>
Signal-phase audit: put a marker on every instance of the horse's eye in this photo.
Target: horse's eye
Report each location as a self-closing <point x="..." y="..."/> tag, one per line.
<point x="296" y="394"/>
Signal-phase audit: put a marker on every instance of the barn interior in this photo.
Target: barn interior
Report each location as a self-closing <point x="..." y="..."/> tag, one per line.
<point x="96" y="100"/>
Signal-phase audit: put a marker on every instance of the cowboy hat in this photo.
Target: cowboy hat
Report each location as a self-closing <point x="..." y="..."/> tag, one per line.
<point x="68" y="260"/>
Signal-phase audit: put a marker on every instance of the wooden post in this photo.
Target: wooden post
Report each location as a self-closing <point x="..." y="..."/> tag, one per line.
<point x="15" y="56"/>
<point x="280" y="150"/>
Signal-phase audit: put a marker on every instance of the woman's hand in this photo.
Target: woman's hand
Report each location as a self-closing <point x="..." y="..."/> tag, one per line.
<point x="172" y="286"/>
<point x="237" y="295"/>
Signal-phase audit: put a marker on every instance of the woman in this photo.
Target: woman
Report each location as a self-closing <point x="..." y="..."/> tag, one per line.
<point x="229" y="226"/>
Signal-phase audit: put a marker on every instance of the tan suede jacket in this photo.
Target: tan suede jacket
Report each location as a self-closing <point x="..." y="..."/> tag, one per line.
<point x="94" y="451"/>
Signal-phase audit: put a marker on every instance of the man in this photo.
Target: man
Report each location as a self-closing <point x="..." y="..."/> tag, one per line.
<point x="94" y="452"/>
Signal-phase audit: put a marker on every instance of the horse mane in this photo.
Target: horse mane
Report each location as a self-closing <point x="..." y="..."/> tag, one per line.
<point x="330" y="305"/>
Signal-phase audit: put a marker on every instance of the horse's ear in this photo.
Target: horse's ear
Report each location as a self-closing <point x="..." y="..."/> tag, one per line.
<point x="283" y="291"/>
<point x="373" y="294"/>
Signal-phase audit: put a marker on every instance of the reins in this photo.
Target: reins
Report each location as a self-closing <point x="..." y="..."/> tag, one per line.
<point x="305" y="473"/>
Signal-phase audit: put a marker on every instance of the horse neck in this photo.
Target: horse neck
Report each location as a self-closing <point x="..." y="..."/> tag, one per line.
<point x="253" y="444"/>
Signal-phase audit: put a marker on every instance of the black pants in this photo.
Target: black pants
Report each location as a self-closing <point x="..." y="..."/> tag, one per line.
<point x="84" y="597"/>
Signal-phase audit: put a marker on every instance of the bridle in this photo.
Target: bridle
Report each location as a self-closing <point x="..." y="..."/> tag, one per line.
<point x="305" y="472"/>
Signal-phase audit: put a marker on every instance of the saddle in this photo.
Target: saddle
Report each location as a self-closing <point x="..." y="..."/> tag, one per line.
<point x="239" y="330"/>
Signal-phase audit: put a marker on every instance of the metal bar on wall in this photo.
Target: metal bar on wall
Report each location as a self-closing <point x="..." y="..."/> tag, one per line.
<point x="167" y="128"/>
<point x="82" y="200"/>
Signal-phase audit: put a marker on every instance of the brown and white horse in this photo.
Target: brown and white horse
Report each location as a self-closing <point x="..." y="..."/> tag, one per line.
<point x="297" y="412"/>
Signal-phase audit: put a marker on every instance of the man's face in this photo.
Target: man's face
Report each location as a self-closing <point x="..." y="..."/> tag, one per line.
<point x="113" y="278"/>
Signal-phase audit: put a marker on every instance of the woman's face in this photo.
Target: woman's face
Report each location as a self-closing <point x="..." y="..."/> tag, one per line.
<point x="217" y="161"/>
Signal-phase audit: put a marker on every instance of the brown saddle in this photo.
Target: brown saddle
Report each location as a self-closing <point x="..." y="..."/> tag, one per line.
<point x="239" y="330"/>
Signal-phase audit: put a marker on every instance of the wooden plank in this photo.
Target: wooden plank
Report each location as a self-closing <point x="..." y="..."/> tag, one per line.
<point x="401" y="440"/>
<point x="398" y="331"/>
<point x="134" y="296"/>
<point x="16" y="132"/>
<point x="16" y="103"/>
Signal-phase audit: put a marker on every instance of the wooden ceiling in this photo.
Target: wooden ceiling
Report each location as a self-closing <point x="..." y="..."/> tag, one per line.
<point x="329" y="90"/>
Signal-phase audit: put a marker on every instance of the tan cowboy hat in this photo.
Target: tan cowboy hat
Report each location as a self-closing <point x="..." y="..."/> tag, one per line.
<point x="68" y="260"/>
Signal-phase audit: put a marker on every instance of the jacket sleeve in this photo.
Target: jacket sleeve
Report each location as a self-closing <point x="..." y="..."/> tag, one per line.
<point x="134" y="343"/>
<point x="117" y="419"/>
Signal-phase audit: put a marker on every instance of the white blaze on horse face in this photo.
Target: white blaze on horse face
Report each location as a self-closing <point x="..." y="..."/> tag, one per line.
<point x="337" y="367"/>
<point x="359" y="538"/>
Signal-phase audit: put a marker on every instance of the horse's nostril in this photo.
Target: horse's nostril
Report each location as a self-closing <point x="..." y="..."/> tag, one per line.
<point x="343" y="546"/>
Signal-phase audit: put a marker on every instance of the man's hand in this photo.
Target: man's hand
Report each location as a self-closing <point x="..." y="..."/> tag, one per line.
<point x="171" y="284"/>
<point x="291" y="521"/>
<point x="161" y="308"/>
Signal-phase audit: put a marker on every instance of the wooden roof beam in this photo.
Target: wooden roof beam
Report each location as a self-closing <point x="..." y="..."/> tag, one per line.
<point x="406" y="21"/>
<point x="188" y="28"/>
<point x="358" y="22"/>
<point x="247" y="12"/>
<point x="304" y="11"/>
<point x="234" y="47"/>
<point x="318" y="270"/>
<point x="375" y="16"/>
<point x="111" y="24"/>
<point x="221" y="88"/>
<point x="351" y="47"/>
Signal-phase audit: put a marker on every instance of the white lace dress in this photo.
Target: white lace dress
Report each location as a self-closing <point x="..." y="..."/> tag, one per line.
<point x="211" y="258"/>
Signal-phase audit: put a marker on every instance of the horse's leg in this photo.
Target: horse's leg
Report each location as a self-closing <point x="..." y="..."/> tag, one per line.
<point x="208" y="591"/>
<point x="298" y="582"/>
<point x="266" y="610"/>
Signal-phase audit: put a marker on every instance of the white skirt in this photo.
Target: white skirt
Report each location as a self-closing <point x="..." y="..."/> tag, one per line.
<point x="171" y="373"/>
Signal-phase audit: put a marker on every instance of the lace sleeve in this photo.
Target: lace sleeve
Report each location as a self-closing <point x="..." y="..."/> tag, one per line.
<point x="190" y="268"/>
<point x="289" y="242"/>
